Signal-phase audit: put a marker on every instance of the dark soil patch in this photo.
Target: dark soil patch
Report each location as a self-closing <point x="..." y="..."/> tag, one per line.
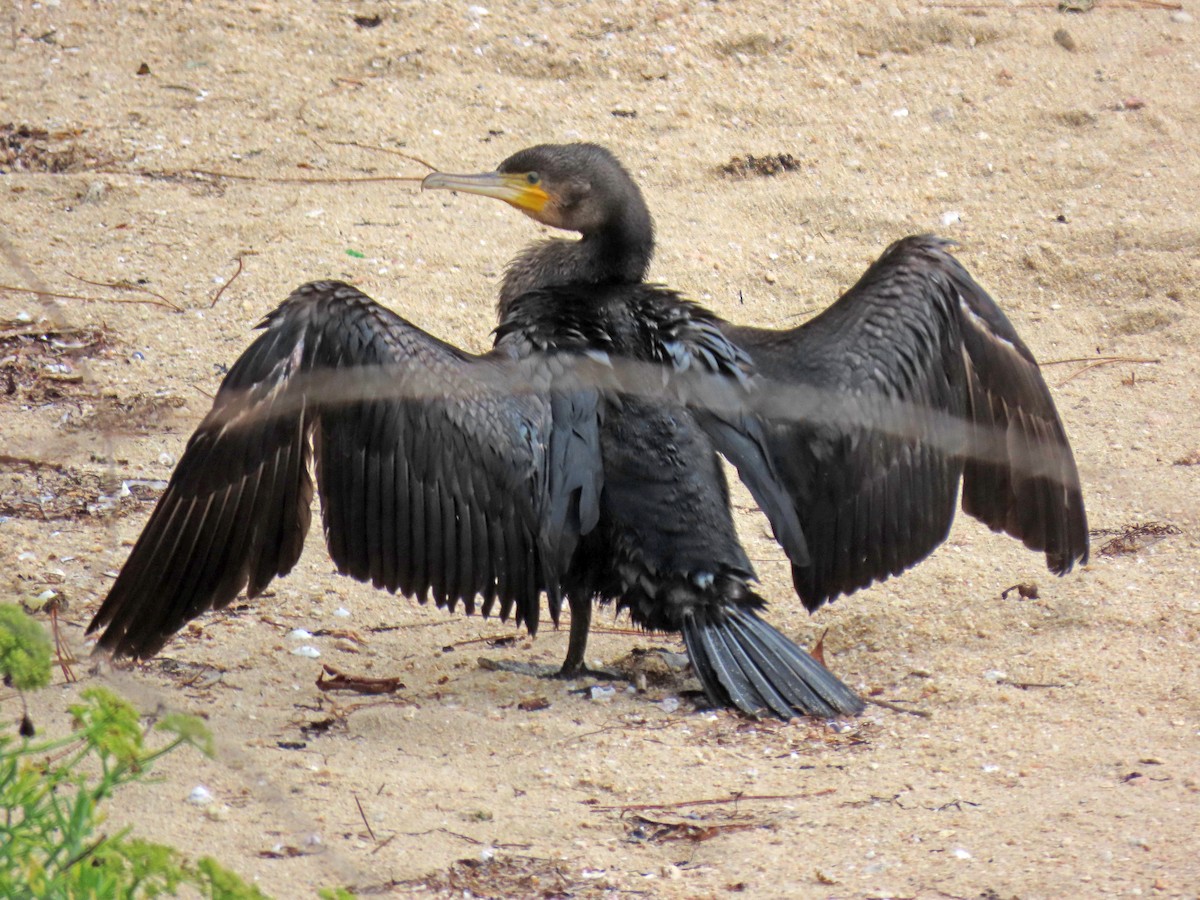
<point x="748" y="166"/>
<point x="27" y="149"/>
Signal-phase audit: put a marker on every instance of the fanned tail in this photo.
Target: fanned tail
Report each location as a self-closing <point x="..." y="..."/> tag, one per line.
<point x="742" y="661"/>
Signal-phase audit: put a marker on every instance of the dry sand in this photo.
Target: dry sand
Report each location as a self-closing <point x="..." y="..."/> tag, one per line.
<point x="1066" y="166"/>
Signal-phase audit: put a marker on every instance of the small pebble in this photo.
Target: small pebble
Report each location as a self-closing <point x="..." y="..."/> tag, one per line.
<point x="603" y="694"/>
<point x="300" y="634"/>
<point x="307" y="651"/>
<point x="166" y="459"/>
<point x="95" y="192"/>
<point x="1181" y="18"/>
<point x="994" y="675"/>
<point x="487" y="854"/>
<point x="961" y="853"/>
<point x="342" y="613"/>
<point x="200" y="795"/>
<point x="950" y="218"/>
<point x="23" y="318"/>
<point x="669" y="704"/>
<point x="1063" y="38"/>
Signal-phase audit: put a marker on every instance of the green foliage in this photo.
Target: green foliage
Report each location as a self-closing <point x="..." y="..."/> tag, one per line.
<point x="189" y="729"/>
<point x="50" y="791"/>
<point x="111" y="724"/>
<point x="24" y="649"/>
<point x="221" y="884"/>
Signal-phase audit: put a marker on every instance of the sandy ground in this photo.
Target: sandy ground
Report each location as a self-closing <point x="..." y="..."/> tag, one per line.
<point x="1060" y="750"/>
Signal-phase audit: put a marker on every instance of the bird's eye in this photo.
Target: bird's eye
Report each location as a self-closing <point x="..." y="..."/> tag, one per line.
<point x="533" y="177"/>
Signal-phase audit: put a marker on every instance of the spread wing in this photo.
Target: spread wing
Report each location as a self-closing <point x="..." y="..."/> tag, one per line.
<point x="911" y="382"/>
<point x="439" y="473"/>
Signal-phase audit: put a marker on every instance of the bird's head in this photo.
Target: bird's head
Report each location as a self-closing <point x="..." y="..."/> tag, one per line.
<point x="577" y="187"/>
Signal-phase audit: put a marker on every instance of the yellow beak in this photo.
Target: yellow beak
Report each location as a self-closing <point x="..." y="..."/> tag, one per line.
<point x="511" y="187"/>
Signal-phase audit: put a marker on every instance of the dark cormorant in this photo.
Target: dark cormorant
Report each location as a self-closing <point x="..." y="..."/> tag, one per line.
<point x="579" y="457"/>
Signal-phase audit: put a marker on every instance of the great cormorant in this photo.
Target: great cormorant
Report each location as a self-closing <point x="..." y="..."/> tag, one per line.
<point x="579" y="457"/>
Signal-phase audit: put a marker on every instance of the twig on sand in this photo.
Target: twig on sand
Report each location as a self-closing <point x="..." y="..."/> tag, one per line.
<point x="734" y="798"/>
<point x="339" y="681"/>
<point x="124" y="286"/>
<point x="60" y="296"/>
<point x="177" y="174"/>
<point x="377" y="149"/>
<point x="896" y="707"/>
<point x="237" y="272"/>
<point x="362" y="812"/>
<point x="1096" y="362"/>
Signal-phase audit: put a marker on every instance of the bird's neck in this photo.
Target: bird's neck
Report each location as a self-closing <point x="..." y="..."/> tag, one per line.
<point x="616" y="255"/>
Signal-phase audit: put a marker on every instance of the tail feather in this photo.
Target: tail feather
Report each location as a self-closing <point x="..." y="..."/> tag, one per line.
<point x="776" y="665"/>
<point x="758" y="674"/>
<point x="742" y="661"/>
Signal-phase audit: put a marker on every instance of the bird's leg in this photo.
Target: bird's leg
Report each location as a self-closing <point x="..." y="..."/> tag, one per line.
<point x="581" y="621"/>
<point x="573" y="666"/>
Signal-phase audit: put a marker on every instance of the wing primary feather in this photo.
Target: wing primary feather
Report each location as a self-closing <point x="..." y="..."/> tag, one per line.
<point x="139" y="576"/>
<point x="434" y="541"/>
<point x="136" y="629"/>
<point x="357" y="503"/>
<point x="514" y="566"/>
<point x="385" y="487"/>
<point x="418" y="535"/>
<point x="266" y="533"/>
<point x="449" y="541"/>
<point x="294" y="499"/>
<point x="373" y="502"/>
<point x="406" y="506"/>
<point x="183" y="591"/>
<point x="467" y="587"/>
<point x="529" y="603"/>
